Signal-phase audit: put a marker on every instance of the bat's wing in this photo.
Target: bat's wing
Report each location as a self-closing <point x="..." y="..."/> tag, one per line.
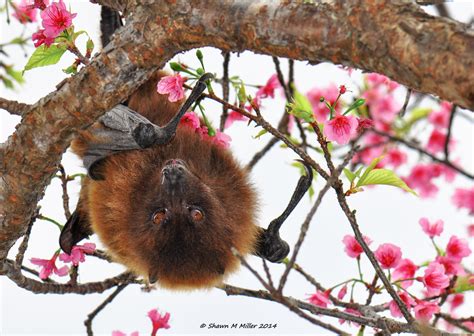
<point x="124" y="129"/>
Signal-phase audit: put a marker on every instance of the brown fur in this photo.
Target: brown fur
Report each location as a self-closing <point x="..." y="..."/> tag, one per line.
<point x="179" y="254"/>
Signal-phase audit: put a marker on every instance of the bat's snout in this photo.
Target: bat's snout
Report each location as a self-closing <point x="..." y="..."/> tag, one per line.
<point x="174" y="172"/>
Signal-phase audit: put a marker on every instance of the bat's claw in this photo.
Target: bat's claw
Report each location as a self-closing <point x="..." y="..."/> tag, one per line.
<point x="272" y="247"/>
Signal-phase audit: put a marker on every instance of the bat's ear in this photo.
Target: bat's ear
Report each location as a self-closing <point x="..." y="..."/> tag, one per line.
<point x="77" y="228"/>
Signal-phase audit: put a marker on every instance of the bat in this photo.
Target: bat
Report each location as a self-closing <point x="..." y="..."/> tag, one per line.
<point x="166" y="203"/>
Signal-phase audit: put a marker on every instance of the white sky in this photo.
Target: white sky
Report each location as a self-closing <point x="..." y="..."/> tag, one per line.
<point x="384" y="213"/>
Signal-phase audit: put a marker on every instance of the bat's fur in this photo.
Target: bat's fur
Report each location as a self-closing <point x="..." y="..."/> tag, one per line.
<point x="180" y="253"/>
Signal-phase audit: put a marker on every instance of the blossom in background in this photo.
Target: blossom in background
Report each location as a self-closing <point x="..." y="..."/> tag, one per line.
<point x="437" y="141"/>
<point x="40" y="4"/>
<point x="232" y="117"/>
<point x="451" y="266"/>
<point x="470" y="230"/>
<point x="48" y="266"/>
<point x="457" y="248"/>
<point x="375" y="79"/>
<point x="342" y="292"/>
<point x="388" y="255"/>
<point x="77" y="253"/>
<point x="341" y="129"/>
<point x="420" y="178"/>
<point x="56" y="18"/>
<point x="172" y="85"/>
<point x="119" y="333"/>
<point x="434" y="229"/>
<point x="268" y="90"/>
<point x="320" y="110"/>
<point x="435" y="278"/>
<point x="221" y="139"/>
<point x="395" y="157"/>
<point x="395" y="310"/>
<point x="384" y="109"/>
<point x="39" y="38"/>
<point x="464" y="198"/>
<point x="363" y="124"/>
<point x="406" y="269"/>
<point x="455" y="301"/>
<point x="159" y="321"/>
<point x="424" y="310"/>
<point x="440" y="118"/>
<point x="23" y="12"/>
<point x="352" y="247"/>
<point x="191" y="119"/>
<point x="320" y="299"/>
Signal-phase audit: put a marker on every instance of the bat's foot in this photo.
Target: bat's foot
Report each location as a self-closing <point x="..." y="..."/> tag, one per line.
<point x="271" y="246"/>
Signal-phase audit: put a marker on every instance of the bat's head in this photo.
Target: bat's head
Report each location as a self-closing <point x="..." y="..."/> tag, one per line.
<point x="173" y="212"/>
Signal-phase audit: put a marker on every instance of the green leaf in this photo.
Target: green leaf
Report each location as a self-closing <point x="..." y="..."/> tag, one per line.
<point x="7" y="82"/>
<point x="90" y="46"/>
<point x="359" y="102"/>
<point x="350" y="175"/>
<point x="259" y="134"/>
<point x="415" y="115"/>
<point x="44" y="56"/>
<point x="16" y="75"/>
<point x="463" y="284"/>
<point x="241" y="94"/>
<point x="75" y="35"/>
<point x="301" y="108"/>
<point x="386" y="177"/>
<point x="369" y="168"/>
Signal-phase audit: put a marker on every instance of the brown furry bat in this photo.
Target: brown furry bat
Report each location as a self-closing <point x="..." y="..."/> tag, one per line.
<point x="167" y="204"/>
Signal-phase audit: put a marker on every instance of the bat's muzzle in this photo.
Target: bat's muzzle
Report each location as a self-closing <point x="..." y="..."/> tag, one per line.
<point x="173" y="173"/>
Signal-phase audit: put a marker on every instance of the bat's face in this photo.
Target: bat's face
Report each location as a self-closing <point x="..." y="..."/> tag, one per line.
<point x="174" y="219"/>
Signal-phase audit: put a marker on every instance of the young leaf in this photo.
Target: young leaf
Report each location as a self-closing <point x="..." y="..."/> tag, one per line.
<point x="386" y="177"/>
<point x="301" y="107"/>
<point x="259" y="134"/>
<point x="350" y="175"/>
<point x="369" y="168"/>
<point x="44" y="56"/>
<point x="16" y="75"/>
<point x="356" y="104"/>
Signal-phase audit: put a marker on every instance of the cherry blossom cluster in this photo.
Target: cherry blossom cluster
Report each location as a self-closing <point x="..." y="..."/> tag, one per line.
<point x="48" y="266"/>
<point x="158" y="322"/>
<point x="440" y="276"/>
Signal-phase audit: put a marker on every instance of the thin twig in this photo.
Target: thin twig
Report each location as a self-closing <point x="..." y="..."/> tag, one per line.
<point x="225" y="89"/>
<point x="65" y="196"/>
<point x="403" y="110"/>
<point x="93" y="314"/>
<point x="24" y="244"/>
<point x="450" y="128"/>
<point x="457" y="322"/>
<point x="260" y="154"/>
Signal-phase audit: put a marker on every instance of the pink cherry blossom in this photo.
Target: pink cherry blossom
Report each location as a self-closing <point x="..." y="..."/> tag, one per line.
<point x="341" y="129"/>
<point x="232" y="117"/>
<point x="424" y="310"/>
<point x="451" y="266"/>
<point x="352" y="247"/>
<point x="268" y="90"/>
<point x="448" y="173"/>
<point x="396" y="157"/>
<point x="388" y="255"/>
<point x="190" y="119"/>
<point x="40" y="4"/>
<point x="159" y="321"/>
<point x="119" y="333"/>
<point x="406" y="269"/>
<point x="464" y="198"/>
<point x="375" y="79"/>
<point x="39" y="38"/>
<point x="384" y="109"/>
<point x="437" y="141"/>
<point x="320" y="110"/>
<point x="320" y="299"/>
<point x="435" y="278"/>
<point x="470" y="230"/>
<point x="342" y="292"/>
<point x="24" y="12"/>
<point x="221" y="139"/>
<point x="420" y="179"/>
<point x="457" y="248"/>
<point x="434" y="229"/>
<point x="364" y="123"/>
<point x="395" y="310"/>
<point x="56" y="18"/>
<point x="455" y="301"/>
<point x="78" y="253"/>
<point x="440" y="118"/>
<point x="172" y="85"/>
<point x="353" y="312"/>
<point x="48" y="266"/>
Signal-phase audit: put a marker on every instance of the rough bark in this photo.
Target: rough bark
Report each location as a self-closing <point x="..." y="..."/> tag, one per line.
<point x="395" y="38"/>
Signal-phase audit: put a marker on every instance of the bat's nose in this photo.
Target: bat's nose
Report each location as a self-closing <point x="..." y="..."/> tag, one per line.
<point x="173" y="171"/>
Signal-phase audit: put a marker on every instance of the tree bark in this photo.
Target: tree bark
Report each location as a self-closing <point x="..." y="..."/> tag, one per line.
<point x="395" y="38"/>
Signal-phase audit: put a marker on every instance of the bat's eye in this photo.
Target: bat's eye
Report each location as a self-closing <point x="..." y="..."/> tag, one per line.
<point x="196" y="214"/>
<point x="159" y="216"/>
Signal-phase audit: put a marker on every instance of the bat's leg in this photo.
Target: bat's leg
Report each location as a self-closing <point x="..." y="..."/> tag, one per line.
<point x="124" y="129"/>
<point x="270" y="246"/>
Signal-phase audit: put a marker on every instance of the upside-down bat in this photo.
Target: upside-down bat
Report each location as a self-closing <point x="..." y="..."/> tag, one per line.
<point x="166" y="203"/>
